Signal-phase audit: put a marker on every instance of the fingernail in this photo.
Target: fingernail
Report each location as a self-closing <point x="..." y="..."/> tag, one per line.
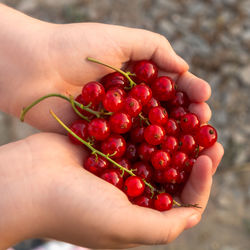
<point x="193" y="221"/>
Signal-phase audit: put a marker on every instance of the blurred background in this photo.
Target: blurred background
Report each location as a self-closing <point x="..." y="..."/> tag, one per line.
<point x="213" y="36"/>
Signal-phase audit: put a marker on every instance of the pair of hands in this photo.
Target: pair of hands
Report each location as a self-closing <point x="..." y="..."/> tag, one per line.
<point x="44" y="189"/>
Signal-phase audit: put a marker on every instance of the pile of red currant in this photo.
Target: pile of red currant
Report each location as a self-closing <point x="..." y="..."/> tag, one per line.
<point x="140" y="134"/>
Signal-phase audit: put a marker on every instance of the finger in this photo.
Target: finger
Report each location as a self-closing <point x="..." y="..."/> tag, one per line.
<point x="215" y="153"/>
<point x="197" y="89"/>
<point x="153" y="227"/>
<point x="143" y="44"/>
<point x="198" y="187"/>
<point x="202" y="110"/>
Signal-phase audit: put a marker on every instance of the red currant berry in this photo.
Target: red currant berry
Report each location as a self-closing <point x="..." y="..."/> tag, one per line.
<point x="178" y="159"/>
<point x="154" y="134"/>
<point x="189" y="123"/>
<point x="134" y="186"/>
<point x="172" y="127"/>
<point x="93" y="92"/>
<point x="180" y="99"/>
<point x="160" y="159"/>
<point x="124" y="163"/>
<point x="113" y="101"/>
<point x="99" y="129"/>
<point x="188" y="165"/>
<point x="114" y="146"/>
<point x="114" y="79"/>
<point x="80" y="99"/>
<point x="131" y="152"/>
<point x="120" y="123"/>
<point x="158" y="176"/>
<point x="163" y="202"/>
<point x="143" y="170"/>
<point x="177" y="113"/>
<point x="80" y="128"/>
<point x="206" y="136"/>
<point x="146" y="71"/>
<point x="171" y="175"/>
<point x="142" y="93"/>
<point x="170" y="144"/>
<point x="145" y="151"/>
<point x="151" y="104"/>
<point x="132" y="106"/>
<point x="187" y="144"/>
<point x="96" y="164"/>
<point x="119" y="90"/>
<point x="137" y="134"/>
<point x="163" y="88"/>
<point x="143" y="201"/>
<point x="173" y="188"/>
<point x="183" y="176"/>
<point x="113" y="176"/>
<point x="158" y="115"/>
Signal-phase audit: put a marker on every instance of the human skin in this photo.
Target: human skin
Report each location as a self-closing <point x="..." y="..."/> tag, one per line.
<point x="45" y="192"/>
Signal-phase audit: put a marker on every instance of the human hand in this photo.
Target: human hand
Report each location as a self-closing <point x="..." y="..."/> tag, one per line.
<point x="45" y="192"/>
<point x="51" y="58"/>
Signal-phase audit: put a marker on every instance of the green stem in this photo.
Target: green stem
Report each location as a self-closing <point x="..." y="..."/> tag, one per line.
<point x="126" y="74"/>
<point x="77" y="111"/>
<point x="86" y="108"/>
<point x="144" y="119"/>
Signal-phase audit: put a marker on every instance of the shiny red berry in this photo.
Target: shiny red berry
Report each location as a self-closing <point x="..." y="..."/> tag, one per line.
<point x="132" y="106"/>
<point x="143" y="201"/>
<point x="134" y="186"/>
<point x="178" y="159"/>
<point x="145" y="151"/>
<point x="160" y="159"/>
<point x="206" y="136"/>
<point x="163" y="88"/>
<point x="124" y="163"/>
<point x="93" y="106"/>
<point x="170" y="144"/>
<point x="177" y="113"/>
<point x="93" y="92"/>
<point x="114" y="146"/>
<point x="96" y="164"/>
<point x="187" y="144"/>
<point x="137" y="134"/>
<point x="171" y="175"/>
<point x="113" y="101"/>
<point x="131" y="152"/>
<point x="99" y="129"/>
<point x="146" y="71"/>
<point x="163" y="202"/>
<point x="80" y="128"/>
<point x="120" y="123"/>
<point x="158" y="115"/>
<point x="143" y="170"/>
<point x="172" y="127"/>
<point x="189" y="123"/>
<point x="114" y="79"/>
<point x="180" y="99"/>
<point x="150" y="104"/>
<point x="154" y="134"/>
<point x="113" y="176"/>
<point x="142" y="93"/>
<point x="188" y="165"/>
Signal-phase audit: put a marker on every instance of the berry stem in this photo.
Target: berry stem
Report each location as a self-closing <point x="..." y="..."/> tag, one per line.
<point x="144" y="119"/>
<point x="81" y="106"/>
<point x="126" y="74"/>
<point x="76" y="110"/>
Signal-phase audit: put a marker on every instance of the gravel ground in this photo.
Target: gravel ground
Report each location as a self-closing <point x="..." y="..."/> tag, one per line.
<point x="214" y="37"/>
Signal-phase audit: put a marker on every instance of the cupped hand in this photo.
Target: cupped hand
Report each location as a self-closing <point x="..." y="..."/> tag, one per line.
<point x="59" y="199"/>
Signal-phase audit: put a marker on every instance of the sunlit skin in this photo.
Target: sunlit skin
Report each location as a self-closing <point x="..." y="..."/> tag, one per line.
<point x="45" y="192"/>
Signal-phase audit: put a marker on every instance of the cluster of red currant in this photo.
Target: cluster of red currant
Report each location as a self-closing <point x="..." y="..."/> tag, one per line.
<point x="141" y="136"/>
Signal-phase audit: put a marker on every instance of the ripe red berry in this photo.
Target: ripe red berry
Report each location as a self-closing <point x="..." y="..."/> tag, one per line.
<point x="171" y="175"/>
<point x="132" y="106"/>
<point x="158" y="115"/>
<point x="124" y="163"/>
<point x="131" y="152"/>
<point x="113" y="101"/>
<point x="187" y="144"/>
<point x="143" y="201"/>
<point x="142" y="93"/>
<point x="177" y="113"/>
<point x="178" y="159"/>
<point x="154" y="134"/>
<point x="143" y="170"/>
<point x="134" y="186"/>
<point x="163" y="88"/>
<point x="160" y="159"/>
<point x="119" y="90"/>
<point x="137" y="134"/>
<point x="189" y="123"/>
<point x="96" y="164"/>
<point x="93" y="92"/>
<point x="172" y="127"/>
<point x="151" y="104"/>
<point x="146" y="71"/>
<point x="99" y="129"/>
<point x="158" y="176"/>
<point x="113" y="176"/>
<point x="93" y="106"/>
<point x="163" y="202"/>
<point x="114" y="79"/>
<point x="145" y="151"/>
<point x="188" y="165"/>
<point x="114" y="146"/>
<point x="80" y="128"/>
<point x="170" y="144"/>
<point x="180" y="99"/>
<point x="206" y="136"/>
<point x="120" y="123"/>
